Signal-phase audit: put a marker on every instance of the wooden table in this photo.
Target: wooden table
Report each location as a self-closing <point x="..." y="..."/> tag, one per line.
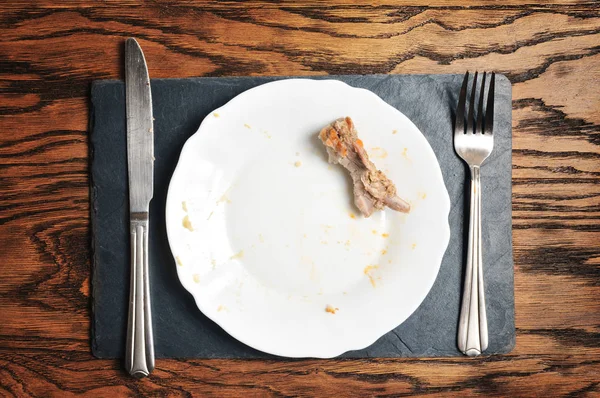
<point x="51" y="51"/>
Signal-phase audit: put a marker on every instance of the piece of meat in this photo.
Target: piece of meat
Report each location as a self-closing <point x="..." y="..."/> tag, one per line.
<point x="372" y="189"/>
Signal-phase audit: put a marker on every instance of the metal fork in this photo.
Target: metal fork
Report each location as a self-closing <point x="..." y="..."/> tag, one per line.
<point x="474" y="145"/>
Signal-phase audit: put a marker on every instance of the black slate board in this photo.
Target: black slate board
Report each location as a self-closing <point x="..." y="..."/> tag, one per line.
<point x="180" y="329"/>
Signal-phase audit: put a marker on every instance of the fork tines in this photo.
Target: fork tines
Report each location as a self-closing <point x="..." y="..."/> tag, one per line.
<point x="485" y="118"/>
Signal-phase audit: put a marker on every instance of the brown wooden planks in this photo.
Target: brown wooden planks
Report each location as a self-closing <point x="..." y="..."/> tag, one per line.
<point x="51" y="51"/>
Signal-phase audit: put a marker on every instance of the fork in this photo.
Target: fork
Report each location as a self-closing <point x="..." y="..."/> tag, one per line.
<point x="474" y="145"/>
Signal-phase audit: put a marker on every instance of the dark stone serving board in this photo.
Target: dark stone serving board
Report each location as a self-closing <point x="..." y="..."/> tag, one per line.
<point x="180" y="329"/>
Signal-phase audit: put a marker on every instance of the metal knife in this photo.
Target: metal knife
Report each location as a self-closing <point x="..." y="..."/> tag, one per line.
<point x="139" y="356"/>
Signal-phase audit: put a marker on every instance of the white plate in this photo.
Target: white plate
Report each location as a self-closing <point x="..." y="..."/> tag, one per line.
<point x="274" y="235"/>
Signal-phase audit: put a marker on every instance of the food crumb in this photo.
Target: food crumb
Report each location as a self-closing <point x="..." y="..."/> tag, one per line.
<point x="266" y="133"/>
<point x="385" y="235"/>
<point x="298" y="163"/>
<point x="394" y="131"/>
<point x="221" y="308"/>
<point x="383" y="252"/>
<point x="215" y="114"/>
<point x="178" y="260"/>
<point x="368" y="268"/>
<point x="347" y="243"/>
<point x="187" y="223"/>
<point x="413" y="246"/>
<point x="196" y="278"/>
<point x="261" y="238"/>
<point x="424" y="195"/>
<point x="210" y="215"/>
<point x="238" y="255"/>
<point x="304" y="236"/>
<point x="352" y="215"/>
<point x="374" y="232"/>
<point x="247" y="126"/>
<point x="184" y="206"/>
<point x="331" y="309"/>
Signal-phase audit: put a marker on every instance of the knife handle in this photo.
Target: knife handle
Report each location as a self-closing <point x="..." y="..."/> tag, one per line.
<point x="139" y="356"/>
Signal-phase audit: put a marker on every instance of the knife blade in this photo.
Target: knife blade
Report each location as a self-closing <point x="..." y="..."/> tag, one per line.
<point x="139" y="356"/>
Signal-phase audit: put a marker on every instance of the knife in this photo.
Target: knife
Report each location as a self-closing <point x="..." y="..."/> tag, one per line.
<point x="139" y="355"/>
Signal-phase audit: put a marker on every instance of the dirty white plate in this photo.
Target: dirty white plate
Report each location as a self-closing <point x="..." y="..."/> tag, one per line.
<point x="265" y="234"/>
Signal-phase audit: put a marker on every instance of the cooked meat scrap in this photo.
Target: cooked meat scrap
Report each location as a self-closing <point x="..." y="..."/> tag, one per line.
<point x="372" y="189"/>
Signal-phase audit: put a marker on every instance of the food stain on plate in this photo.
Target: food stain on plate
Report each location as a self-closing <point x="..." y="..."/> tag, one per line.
<point x="215" y="114"/>
<point x="196" y="278"/>
<point x="298" y="163"/>
<point x="187" y="223"/>
<point x="237" y="256"/>
<point x="178" y="260"/>
<point x="379" y="152"/>
<point x="184" y="206"/>
<point x="326" y="228"/>
<point x="224" y="198"/>
<point x="238" y="292"/>
<point x="368" y="271"/>
<point x="314" y="274"/>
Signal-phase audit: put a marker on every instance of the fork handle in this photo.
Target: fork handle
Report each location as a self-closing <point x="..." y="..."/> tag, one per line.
<point x="472" y="326"/>
<point x="139" y="355"/>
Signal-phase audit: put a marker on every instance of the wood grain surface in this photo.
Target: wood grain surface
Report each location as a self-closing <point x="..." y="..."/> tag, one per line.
<point x="50" y="52"/>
